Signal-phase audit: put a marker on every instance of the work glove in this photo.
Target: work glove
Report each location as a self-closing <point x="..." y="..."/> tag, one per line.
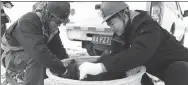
<point x="91" y="69"/>
<point x="72" y="70"/>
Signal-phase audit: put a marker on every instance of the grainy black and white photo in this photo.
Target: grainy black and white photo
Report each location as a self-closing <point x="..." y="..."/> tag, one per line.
<point x="94" y="43"/>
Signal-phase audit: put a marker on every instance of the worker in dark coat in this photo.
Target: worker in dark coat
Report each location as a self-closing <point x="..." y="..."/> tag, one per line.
<point x="4" y="16"/>
<point x="33" y="43"/>
<point x="139" y="40"/>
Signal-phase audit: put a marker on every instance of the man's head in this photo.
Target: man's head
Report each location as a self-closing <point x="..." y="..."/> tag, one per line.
<point x="57" y="13"/>
<point x="116" y="14"/>
<point x="8" y="4"/>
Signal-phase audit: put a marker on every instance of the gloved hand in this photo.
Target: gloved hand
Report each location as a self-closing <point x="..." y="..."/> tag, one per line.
<point x="72" y="70"/>
<point x="90" y="68"/>
<point x="56" y="74"/>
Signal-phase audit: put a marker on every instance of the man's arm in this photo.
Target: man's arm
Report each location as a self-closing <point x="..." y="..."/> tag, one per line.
<point x="141" y="50"/>
<point x="29" y="35"/>
<point x="57" y="48"/>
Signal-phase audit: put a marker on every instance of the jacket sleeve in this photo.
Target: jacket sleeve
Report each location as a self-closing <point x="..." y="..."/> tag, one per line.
<point x="118" y="44"/>
<point x="29" y="35"/>
<point x="142" y="48"/>
<point x="57" y="48"/>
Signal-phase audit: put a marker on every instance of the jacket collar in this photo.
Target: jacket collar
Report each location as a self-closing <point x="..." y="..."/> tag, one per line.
<point x="140" y="19"/>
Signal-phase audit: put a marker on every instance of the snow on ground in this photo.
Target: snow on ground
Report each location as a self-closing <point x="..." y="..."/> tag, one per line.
<point x="2" y="73"/>
<point x="73" y="48"/>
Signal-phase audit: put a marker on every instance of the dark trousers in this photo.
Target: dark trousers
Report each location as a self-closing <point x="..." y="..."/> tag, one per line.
<point x="3" y="29"/>
<point x="33" y="73"/>
<point x="175" y="74"/>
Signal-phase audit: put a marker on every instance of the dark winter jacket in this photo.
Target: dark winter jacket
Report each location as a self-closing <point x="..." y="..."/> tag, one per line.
<point x="28" y="33"/>
<point x="144" y="42"/>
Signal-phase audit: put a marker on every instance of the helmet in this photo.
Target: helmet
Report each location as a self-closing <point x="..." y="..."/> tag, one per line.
<point x="60" y="9"/>
<point x="109" y="9"/>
